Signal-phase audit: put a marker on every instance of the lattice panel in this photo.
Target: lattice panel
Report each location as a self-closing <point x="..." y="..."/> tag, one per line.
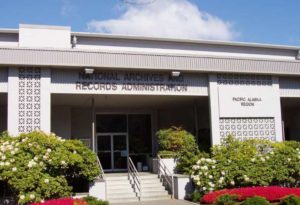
<point x="29" y="106"/>
<point x="245" y="128"/>
<point x="244" y="79"/>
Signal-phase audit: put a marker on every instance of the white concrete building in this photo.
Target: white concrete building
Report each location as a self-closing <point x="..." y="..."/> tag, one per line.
<point x="114" y="92"/>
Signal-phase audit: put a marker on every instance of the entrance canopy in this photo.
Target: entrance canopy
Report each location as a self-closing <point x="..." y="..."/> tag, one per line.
<point x="116" y="126"/>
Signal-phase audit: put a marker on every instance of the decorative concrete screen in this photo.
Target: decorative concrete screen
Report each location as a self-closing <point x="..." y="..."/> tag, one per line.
<point x="245" y="106"/>
<point x="29" y="106"/>
<point x="28" y="100"/>
<point x="128" y="83"/>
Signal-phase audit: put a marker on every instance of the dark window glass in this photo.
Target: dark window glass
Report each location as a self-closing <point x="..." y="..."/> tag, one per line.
<point x="139" y="131"/>
<point x="111" y="123"/>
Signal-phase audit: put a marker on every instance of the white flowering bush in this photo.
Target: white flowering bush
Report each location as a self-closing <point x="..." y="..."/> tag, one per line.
<point x="248" y="163"/>
<point x="38" y="166"/>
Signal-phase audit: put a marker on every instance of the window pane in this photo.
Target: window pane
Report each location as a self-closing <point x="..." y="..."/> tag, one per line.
<point x="139" y="131"/>
<point x="111" y="123"/>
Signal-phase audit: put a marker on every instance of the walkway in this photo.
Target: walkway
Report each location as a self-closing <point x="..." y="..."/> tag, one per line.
<point x="165" y="202"/>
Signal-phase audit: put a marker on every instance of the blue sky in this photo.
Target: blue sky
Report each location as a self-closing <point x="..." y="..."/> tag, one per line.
<point x="261" y="21"/>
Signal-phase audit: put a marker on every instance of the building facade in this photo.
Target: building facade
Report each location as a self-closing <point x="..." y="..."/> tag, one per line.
<point x="114" y="92"/>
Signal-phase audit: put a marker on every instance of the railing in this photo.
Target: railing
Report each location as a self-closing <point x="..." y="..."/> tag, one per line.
<point x="165" y="175"/>
<point x="134" y="177"/>
<point x="102" y="176"/>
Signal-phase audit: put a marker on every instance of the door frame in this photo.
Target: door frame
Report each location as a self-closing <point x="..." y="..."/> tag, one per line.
<point x="112" y="134"/>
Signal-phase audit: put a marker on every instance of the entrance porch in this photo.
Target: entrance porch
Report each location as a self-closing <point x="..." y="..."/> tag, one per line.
<point x="118" y="126"/>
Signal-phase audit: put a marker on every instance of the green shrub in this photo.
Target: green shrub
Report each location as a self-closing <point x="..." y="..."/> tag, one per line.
<point x="196" y="196"/>
<point x="187" y="159"/>
<point x="256" y="200"/>
<point x="178" y="143"/>
<point x="94" y="201"/>
<point x="252" y="162"/>
<point x="290" y="200"/>
<point x="38" y="166"/>
<point x="226" y="199"/>
<point x="176" y="140"/>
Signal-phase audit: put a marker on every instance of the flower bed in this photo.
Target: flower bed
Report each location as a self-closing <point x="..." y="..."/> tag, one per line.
<point x="65" y="201"/>
<point x="271" y="193"/>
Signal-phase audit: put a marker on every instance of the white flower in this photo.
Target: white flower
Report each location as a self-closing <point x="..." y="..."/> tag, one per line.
<point x="214" y="161"/>
<point x="63" y="162"/>
<point x="202" y="159"/>
<point x="253" y="160"/>
<point x="12" y="160"/>
<point x="204" y="188"/>
<point x="208" y="160"/>
<point x="31" y="196"/>
<point x="1" y="163"/>
<point x="22" y="197"/>
<point x="7" y="163"/>
<point x="31" y="163"/>
<point x="232" y="183"/>
<point x="299" y="157"/>
<point x="16" y="149"/>
<point x="74" y="152"/>
<point x="3" y="157"/>
<point x="45" y="157"/>
<point x="49" y="150"/>
<point x="223" y="173"/>
<point x="267" y="157"/>
<point x="213" y="167"/>
<point x="14" y="169"/>
<point x="262" y="159"/>
<point x="36" y="158"/>
<point x="198" y="183"/>
<point x="204" y="167"/>
<point x="211" y="189"/>
<point x="271" y="152"/>
<point x="210" y="176"/>
<point x="13" y="152"/>
<point x="289" y="159"/>
<point x="46" y="181"/>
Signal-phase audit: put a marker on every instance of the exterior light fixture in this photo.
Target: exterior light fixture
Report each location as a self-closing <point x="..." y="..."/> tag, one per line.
<point x="298" y="55"/>
<point x="175" y="73"/>
<point x="89" y="70"/>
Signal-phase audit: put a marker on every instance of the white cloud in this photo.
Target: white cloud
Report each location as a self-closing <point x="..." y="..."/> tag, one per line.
<point x="67" y="8"/>
<point x="166" y="18"/>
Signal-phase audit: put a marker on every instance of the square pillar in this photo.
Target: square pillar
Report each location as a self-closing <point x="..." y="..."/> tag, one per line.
<point x="28" y="100"/>
<point x="246" y="106"/>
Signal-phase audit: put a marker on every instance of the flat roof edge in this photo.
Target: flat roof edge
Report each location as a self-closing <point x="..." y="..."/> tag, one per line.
<point x="182" y="40"/>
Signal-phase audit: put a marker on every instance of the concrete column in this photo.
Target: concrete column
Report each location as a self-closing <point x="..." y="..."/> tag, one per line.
<point x="256" y="113"/>
<point x="214" y="109"/>
<point x="29" y="105"/>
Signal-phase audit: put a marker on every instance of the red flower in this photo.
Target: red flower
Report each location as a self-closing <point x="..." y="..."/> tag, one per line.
<point x="271" y="193"/>
<point x="65" y="201"/>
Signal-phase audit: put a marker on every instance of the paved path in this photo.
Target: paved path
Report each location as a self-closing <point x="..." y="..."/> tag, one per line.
<point x="164" y="202"/>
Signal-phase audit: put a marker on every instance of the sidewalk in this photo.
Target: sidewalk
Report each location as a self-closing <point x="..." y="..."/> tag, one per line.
<point x="164" y="202"/>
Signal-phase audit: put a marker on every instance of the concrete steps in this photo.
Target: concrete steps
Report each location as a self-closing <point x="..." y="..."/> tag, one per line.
<point x="120" y="189"/>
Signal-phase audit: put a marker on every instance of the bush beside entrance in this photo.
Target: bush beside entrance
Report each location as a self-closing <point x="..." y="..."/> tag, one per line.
<point x="39" y="166"/>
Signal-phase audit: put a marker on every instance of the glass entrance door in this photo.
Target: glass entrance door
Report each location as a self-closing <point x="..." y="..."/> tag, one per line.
<point x="112" y="150"/>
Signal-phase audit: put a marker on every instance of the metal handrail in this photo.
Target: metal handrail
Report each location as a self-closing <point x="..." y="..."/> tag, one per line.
<point x="102" y="176"/>
<point x="134" y="174"/>
<point x="165" y="174"/>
